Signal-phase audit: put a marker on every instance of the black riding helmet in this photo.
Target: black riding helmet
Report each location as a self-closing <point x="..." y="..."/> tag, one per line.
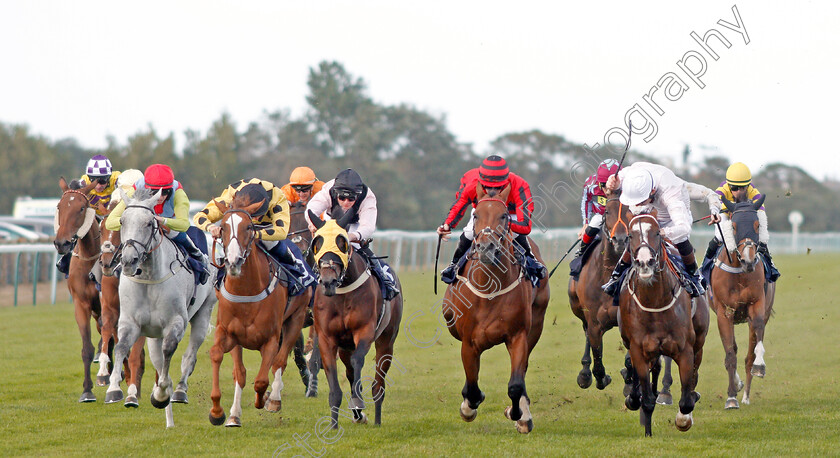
<point x="349" y="180"/>
<point x="255" y="193"/>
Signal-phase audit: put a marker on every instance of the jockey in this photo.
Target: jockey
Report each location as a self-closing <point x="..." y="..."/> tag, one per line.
<point x="347" y="191"/>
<point x="647" y="187"/>
<point x="493" y="176"/>
<point x="172" y="211"/>
<point x="594" y="202"/>
<point x="738" y="187"/>
<point x="98" y="171"/>
<point x="273" y="216"/>
<point x="302" y="185"/>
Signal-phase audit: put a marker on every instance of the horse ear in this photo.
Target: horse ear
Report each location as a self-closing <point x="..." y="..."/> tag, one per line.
<point x="89" y="187"/>
<point x="254" y="207"/>
<point x="62" y="183"/>
<point x="503" y="196"/>
<point x="344" y="220"/>
<point x="758" y="203"/>
<point x="730" y="206"/>
<point x="123" y="196"/>
<point x="221" y="205"/>
<point x="479" y="191"/>
<point x="315" y="220"/>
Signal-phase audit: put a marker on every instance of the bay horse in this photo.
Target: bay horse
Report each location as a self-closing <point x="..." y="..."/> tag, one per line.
<point x="110" y="299"/>
<point x="657" y="317"/>
<point x="739" y="293"/>
<point x="350" y="315"/>
<point x="493" y="303"/>
<point x="255" y="312"/>
<point x="588" y="301"/>
<point x="300" y="235"/>
<point x="76" y="231"/>
<point x="158" y="297"/>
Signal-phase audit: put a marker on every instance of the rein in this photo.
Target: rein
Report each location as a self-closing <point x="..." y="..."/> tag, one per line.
<point x="619" y="220"/>
<point x="146" y="246"/>
<point x="661" y="263"/>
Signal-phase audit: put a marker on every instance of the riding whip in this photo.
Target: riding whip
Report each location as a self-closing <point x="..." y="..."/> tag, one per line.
<point x="437" y="256"/>
<point x="723" y="239"/>
<point x="701" y="219"/>
<point x="564" y="257"/>
<point x="626" y="146"/>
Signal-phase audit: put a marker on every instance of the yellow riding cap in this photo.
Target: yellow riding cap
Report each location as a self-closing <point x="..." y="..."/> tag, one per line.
<point x="738" y="174"/>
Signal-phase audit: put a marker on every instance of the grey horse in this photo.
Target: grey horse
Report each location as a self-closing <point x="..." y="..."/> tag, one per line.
<point x="158" y="296"/>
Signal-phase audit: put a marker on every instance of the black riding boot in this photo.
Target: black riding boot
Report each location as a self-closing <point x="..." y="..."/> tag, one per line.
<point x="691" y="268"/>
<point x="196" y="255"/>
<point x="538" y="268"/>
<point x="590" y="234"/>
<point x="463" y="245"/>
<point x="774" y="272"/>
<point x="282" y="254"/>
<point x="63" y="264"/>
<point x="714" y="245"/>
<point x="391" y="290"/>
<point x="611" y="287"/>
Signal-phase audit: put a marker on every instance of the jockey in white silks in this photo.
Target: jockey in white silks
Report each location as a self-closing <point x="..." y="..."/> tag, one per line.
<point x="646" y="187"/>
<point x="348" y="193"/>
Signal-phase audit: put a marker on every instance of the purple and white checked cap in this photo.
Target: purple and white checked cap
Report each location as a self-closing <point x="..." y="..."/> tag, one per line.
<point x="98" y="166"/>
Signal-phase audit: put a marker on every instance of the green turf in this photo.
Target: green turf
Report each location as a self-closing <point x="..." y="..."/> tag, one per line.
<point x="794" y="410"/>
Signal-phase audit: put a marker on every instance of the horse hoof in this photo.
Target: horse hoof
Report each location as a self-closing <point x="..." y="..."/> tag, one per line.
<point x="664" y="399"/>
<point x="632" y="403"/>
<point x="273" y="406"/>
<point x="131" y="401"/>
<point x="233" y="422"/>
<point x="525" y="427"/>
<point x="217" y="421"/>
<point x="103" y="380"/>
<point x="312" y="393"/>
<point x="745" y="400"/>
<point x="359" y="417"/>
<point x="731" y="403"/>
<point x="628" y="388"/>
<point x="603" y="383"/>
<point x="584" y="380"/>
<point x="113" y="396"/>
<point x="684" y="422"/>
<point x="159" y="404"/>
<point x="468" y="414"/>
<point x="87" y="396"/>
<point x="758" y="370"/>
<point x="180" y="397"/>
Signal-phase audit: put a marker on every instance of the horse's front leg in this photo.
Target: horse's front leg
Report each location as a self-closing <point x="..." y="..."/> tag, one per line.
<point x="357" y="361"/>
<point x="198" y="331"/>
<point x="135" y="366"/>
<point x="314" y="365"/>
<point x="757" y="322"/>
<point x="520" y="408"/>
<point x="664" y="396"/>
<point x="222" y="343"/>
<point x="473" y="396"/>
<point x="688" y="397"/>
<point x="235" y="419"/>
<point x="166" y="347"/>
<point x="596" y="341"/>
<point x="82" y="313"/>
<point x="726" y="329"/>
<point x="128" y="332"/>
<point x="268" y="352"/>
<point x="584" y="378"/>
<point x="290" y="329"/>
<point x="328" y="360"/>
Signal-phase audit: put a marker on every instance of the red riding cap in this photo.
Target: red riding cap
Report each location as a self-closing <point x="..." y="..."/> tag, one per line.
<point x="158" y="176"/>
<point x="493" y="172"/>
<point x="607" y="168"/>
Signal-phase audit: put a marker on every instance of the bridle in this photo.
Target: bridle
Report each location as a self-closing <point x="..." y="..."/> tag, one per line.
<point x="252" y="232"/>
<point x="146" y="247"/>
<point x="75" y="238"/>
<point x="500" y="236"/>
<point x="657" y="252"/>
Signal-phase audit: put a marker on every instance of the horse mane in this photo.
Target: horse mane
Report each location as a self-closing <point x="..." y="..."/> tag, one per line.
<point x="76" y="184"/>
<point x="143" y="194"/>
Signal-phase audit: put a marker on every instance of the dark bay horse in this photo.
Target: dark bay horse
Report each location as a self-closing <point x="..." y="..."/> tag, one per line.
<point x="255" y="312"/>
<point x="299" y="235"/>
<point x="76" y="230"/>
<point x="494" y="303"/>
<point x="657" y="318"/>
<point x="588" y="301"/>
<point x="739" y="293"/>
<point x="110" y="299"/>
<point x="351" y="315"/>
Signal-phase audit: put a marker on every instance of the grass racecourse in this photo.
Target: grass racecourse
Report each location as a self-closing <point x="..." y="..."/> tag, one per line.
<point x="795" y="410"/>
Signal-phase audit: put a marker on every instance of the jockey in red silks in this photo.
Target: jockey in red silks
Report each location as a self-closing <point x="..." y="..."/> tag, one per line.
<point x="593" y="204"/>
<point x="493" y="176"/>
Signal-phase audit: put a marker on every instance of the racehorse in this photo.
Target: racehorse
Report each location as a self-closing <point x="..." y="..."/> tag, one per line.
<point x="255" y="312"/>
<point x="110" y="299"/>
<point x="350" y="315"/>
<point x="493" y="303"/>
<point x="299" y="235"/>
<point x="658" y="317"/>
<point x="76" y="230"/>
<point x="739" y="293"/>
<point x="588" y="301"/>
<point x="158" y="296"/>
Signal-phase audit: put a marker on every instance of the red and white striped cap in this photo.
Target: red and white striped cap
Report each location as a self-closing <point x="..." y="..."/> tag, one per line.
<point x="493" y="172"/>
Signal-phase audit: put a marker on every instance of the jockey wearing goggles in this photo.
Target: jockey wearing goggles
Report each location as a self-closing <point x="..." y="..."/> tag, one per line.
<point x="347" y="192"/>
<point x="594" y="201"/>
<point x="493" y="176"/>
<point x="303" y="184"/>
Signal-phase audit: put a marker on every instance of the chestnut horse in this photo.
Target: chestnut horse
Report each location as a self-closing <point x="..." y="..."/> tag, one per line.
<point x="350" y="315"/>
<point x="299" y="235"/>
<point x="739" y="293"/>
<point x="110" y="299"/>
<point x="588" y="301"/>
<point x="76" y="230"/>
<point x="255" y="312"/>
<point x="493" y="303"/>
<point x="658" y="317"/>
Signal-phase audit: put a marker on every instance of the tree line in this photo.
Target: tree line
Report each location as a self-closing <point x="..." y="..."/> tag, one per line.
<point x="407" y="156"/>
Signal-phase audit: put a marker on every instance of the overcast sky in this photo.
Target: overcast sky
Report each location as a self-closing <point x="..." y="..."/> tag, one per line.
<point x="88" y="69"/>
